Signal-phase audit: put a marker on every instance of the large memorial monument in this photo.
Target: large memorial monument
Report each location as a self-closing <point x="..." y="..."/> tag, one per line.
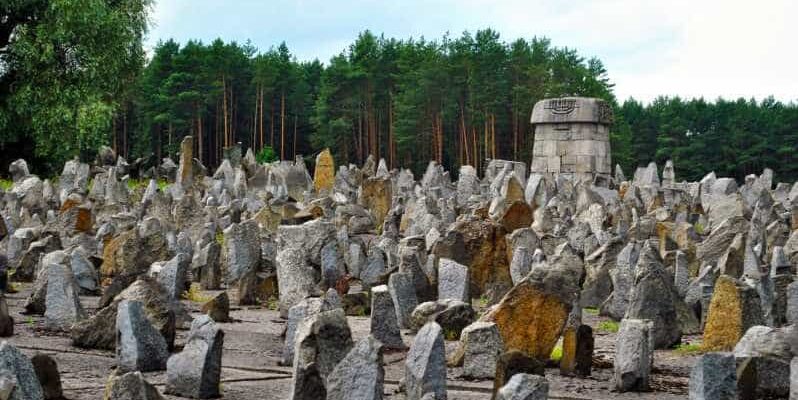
<point x="572" y="138"/>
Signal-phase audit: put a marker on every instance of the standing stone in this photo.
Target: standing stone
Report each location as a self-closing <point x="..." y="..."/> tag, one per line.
<point x="481" y="346"/>
<point x="521" y="264"/>
<point x="295" y="277"/>
<point x="384" y="326"/>
<point x="324" y="175"/>
<point x="681" y="273"/>
<point x="375" y="194"/>
<point x="360" y="375"/>
<point x="332" y="264"/>
<point x="207" y="262"/>
<point x="305" y="308"/>
<point x="653" y="299"/>
<point x="218" y="308"/>
<point x="322" y="341"/>
<point x="634" y="352"/>
<point x="425" y="365"/>
<point x="577" y="351"/>
<point x="403" y="293"/>
<point x="524" y="387"/>
<point x="130" y="386"/>
<point x="375" y="268"/>
<point x="6" y="321"/>
<point x="734" y="308"/>
<point x="47" y="373"/>
<point x="185" y="171"/>
<point x="62" y="304"/>
<point x="27" y="386"/>
<point x="452" y="281"/>
<point x="792" y="303"/>
<point x="242" y="248"/>
<point x="196" y="371"/>
<point x="139" y="346"/>
<point x="794" y="379"/>
<point x="173" y="275"/>
<point x="515" y="362"/>
<point x="714" y="377"/>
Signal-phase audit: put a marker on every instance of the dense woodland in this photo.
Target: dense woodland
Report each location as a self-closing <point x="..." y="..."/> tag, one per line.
<point x="68" y="86"/>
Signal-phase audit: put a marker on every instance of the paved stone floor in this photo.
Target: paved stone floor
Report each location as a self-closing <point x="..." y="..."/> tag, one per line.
<point x="252" y="347"/>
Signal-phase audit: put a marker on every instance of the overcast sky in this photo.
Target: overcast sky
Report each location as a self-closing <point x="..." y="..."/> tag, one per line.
<point x="699" y="48"/>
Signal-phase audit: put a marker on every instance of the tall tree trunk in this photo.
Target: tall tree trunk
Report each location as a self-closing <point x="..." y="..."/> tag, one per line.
<point x="296" y="122"/>
<point x="282" y="125"/>
<point x="261" y="118"/>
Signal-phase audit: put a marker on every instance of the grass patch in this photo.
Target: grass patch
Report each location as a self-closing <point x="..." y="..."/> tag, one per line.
<point x="451" y="335"/>
<point x="556" y="353"/>
<point x="220" y="238"/>
<point x="687" y="349"/>
<point x="591" y="310"/>
<point x="699" y="228"/>
<point x="273" y="303"/>
<point x="194" y="293"/>
<point x="6" y="184"/>
<point x="608" y="326"/>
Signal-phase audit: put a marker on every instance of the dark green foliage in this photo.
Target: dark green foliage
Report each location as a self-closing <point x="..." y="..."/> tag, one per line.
<point x="266" y="155"/>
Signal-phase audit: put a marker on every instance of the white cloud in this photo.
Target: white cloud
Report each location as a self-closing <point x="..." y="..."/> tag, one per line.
<point x="712" y="48"/>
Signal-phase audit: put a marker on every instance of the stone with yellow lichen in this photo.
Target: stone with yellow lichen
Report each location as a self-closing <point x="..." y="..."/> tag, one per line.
<point x="734" y="308"/>
<point x="324" y="175"/>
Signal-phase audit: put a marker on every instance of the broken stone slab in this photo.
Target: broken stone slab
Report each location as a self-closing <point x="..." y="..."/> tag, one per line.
<point x="173" y="275"/>
<point x="577" y="351"/>
<point x="26" y="384"/>
<point x="139" y="347"/>
<point x="207" y="266"/>
<point x="384" y="325"/>
<point x="48" y="375"/>
<point x="359" y="375"/>
<point x="634" y="352"/>
<point x="62" y="304"/>
<point x="521" y="264"/>
<point x="452" y="281"/>
<point x="524" y="387"/>
<point x="714" y="377"/>
<point x="195" y="372"/>
<point x="400" y="286"/>
<point x="85" y="273"/>
<point x="425" y="365"/>
<point x="322" y="341"/>
<point x="130" y="386"/>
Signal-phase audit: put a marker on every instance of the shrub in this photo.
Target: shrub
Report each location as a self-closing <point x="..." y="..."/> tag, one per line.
<point x="266" y="155"/>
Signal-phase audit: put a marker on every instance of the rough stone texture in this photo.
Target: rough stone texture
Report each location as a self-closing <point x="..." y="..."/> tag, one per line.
<point x="524" y="387"/>
<point x="794" y="379"/>
<point x="425" y="365"/>
<point x="653" y="298"/>
<point x="130" y="386"/>
<point x="515" y="362"/>
<point x="572" y="138"/>
<point x="714" y="377"/>
<point x="384" y="325"/>
<point x="322" y="341"/>
<point x="400" y="285"/>
<point x="6" y="321"/>
<point x="62" y="305"/>
<point x="195" y="372"/>
<point x="27" y="386"/>
<point x="47" y="373"/>
<point x="173" y="275"/>
<point x="295" y="277"/>
<point x="577" y="351"/>
<point x="218" y="308"/>
<point x="359" y="375"/>
<point x="139" y="346"/>
<point x="376" y="196"/>
<point x="242" y="249"/>
<point x="792" y="303"/>
<point x="734" y="308"/>
<point x="324" y="174"/>
<point x="305" y="308"/>
<point x="452" y="281"/>
<point x="452" y="315"/>
<point x="634" y="354"/>
<point x="481" y="346"/>
<point x="99" y="331"/>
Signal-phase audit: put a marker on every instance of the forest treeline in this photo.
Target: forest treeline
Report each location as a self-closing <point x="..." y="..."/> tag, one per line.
<point x="73" y="77"/>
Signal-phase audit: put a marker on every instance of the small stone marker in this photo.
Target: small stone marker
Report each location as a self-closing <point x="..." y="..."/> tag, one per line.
<point x="62" y="304"/>
<point x="482" y="346"/>
<point x="139" y="346"/>
<point x="360" y="375"/>
<point x="524" y="387"/>
<point x="633" y="355"/>
<point x="324" y="174"/>
<point x="714" y="377"/>
<point x="452" y="281"/>
<point x="425" y="365"/>
<point x="403" y="293"/>
<point x="195" y="372"/>
<point x="384" y="326"/>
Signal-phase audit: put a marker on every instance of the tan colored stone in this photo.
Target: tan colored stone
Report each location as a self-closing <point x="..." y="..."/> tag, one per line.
<point x="568" y="360"/>
<point x="268" y="219"/>
<point x="529" y="319"/>
<point x="517" y="215"/>
<point x="324" y="175"/>
<point x="733" y="309"/>
<point x="376" y="196"/>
